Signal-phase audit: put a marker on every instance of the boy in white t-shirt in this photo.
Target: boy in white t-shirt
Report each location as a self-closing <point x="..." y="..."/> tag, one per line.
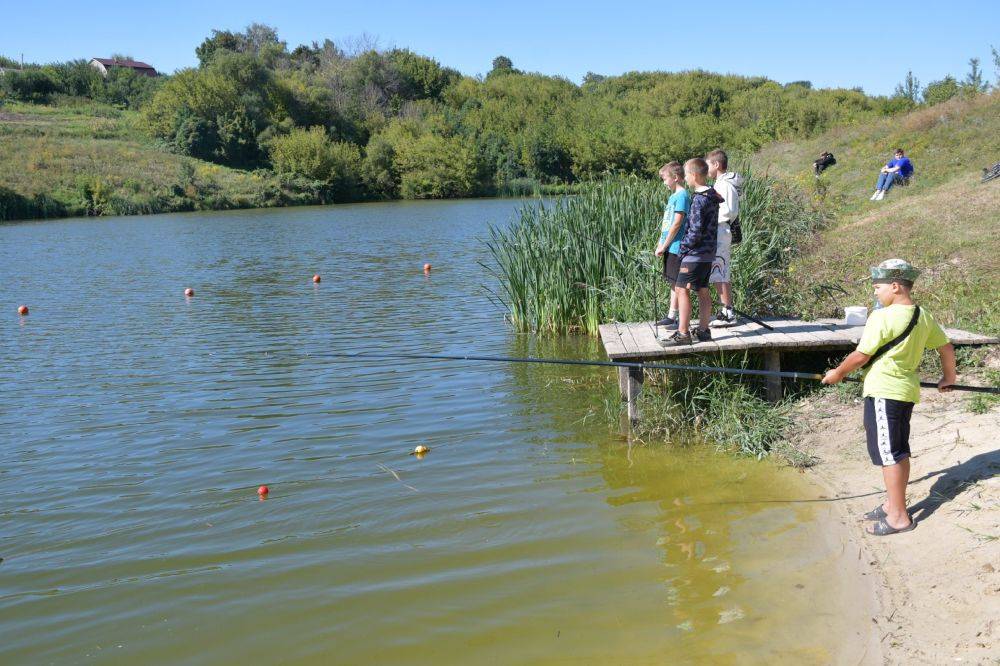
<point x="728" y="185"/>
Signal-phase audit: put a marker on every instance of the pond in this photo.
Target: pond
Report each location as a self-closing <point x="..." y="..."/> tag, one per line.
<point x="136" y="426"/>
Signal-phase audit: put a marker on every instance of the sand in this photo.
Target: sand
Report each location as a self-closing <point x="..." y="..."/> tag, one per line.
<point x="937" y="587"/>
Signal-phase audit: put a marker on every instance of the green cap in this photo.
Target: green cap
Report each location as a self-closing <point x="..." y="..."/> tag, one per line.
<point x="892" y="270"/>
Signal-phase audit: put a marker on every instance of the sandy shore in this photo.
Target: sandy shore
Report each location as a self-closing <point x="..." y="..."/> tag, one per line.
<point x="938" y="587"/>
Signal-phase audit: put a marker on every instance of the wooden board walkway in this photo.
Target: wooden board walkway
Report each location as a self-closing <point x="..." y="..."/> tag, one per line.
<point x="637" y="342"/>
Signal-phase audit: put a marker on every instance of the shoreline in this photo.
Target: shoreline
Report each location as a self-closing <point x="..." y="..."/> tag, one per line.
<point x="937" y="588"/>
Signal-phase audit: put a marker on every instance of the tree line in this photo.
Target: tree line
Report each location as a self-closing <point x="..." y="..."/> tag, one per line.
<point x="369" y="123"/>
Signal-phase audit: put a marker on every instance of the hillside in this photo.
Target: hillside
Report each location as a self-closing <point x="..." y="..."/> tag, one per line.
<point x="88" y="158"/>
<point x="946" y="222"/>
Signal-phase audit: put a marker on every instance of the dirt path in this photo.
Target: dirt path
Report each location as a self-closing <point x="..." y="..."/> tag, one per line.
<point x="939" y="585"/>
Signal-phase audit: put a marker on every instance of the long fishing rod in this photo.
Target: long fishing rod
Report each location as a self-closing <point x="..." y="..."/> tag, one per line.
<point x="813" y="376"/>
<point x="646" y="266"/>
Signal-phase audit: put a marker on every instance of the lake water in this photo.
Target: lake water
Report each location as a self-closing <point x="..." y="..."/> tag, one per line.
<point x="137" y="424"/>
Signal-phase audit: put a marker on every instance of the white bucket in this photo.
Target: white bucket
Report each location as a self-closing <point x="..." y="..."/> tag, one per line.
<point x="855" y="315"/>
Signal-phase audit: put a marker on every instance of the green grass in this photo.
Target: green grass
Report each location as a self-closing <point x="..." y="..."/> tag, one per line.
<point x="946" y="222"/>
<point x="86" y="158"/>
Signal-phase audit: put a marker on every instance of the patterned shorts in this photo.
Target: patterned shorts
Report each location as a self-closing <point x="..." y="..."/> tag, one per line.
<point x="887" y="427"/>
<point x="723" y="251"/>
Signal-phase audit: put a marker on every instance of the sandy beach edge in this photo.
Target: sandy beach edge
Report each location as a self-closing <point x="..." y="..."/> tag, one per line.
<point x="936" y="589"/>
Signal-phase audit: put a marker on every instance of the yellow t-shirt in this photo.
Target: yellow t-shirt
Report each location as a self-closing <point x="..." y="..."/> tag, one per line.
<point x="894" y="374"/>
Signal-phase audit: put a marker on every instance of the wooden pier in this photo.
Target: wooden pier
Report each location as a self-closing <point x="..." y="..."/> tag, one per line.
<point x="637" y="342"/>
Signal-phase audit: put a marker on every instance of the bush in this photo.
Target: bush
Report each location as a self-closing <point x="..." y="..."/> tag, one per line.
<point x="311" y="154"/>
<point x="29" y="85"/>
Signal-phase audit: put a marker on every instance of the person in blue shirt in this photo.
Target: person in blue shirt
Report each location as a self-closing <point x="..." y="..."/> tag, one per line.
<point x="895" y="171"/>
<point x="672" y="229"/>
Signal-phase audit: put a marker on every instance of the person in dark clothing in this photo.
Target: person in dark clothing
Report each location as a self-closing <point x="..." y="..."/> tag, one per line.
<point x="697" y="254"/>
<point x="825" y="160"/>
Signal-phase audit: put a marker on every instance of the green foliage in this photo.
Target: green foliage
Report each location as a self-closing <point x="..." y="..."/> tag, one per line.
<point x="28" y="85"/>
<point x="311" y="154"/>
<point x="941" y="91"/>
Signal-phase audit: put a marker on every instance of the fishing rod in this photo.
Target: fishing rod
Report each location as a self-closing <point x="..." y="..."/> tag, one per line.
<point x="813" y="376"/>
<point x="646" y="266"/>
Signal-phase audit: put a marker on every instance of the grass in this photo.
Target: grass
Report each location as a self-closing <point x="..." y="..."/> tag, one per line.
<point x="945" y="222"/>
<point x="86" y="158"/>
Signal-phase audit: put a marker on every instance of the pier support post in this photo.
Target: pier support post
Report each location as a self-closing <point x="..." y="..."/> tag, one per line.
<point x="772" y="361"/>
<point x="630" y="385"/>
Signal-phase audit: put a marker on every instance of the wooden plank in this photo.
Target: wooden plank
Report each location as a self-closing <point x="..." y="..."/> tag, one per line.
<point x="613" y="345"/>
<point x="628" y="340"/>
<point x="960" y="337"/>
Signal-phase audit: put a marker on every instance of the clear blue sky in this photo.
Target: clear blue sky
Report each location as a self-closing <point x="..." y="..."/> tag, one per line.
<point x="830" y="42"/>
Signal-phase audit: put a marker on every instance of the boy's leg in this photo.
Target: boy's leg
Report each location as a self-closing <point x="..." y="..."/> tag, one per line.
<point x="673" y="302"/>
<point x="890" y="180"/>
<point x="704" y="308"/>
<point x="725" y="293"/>
<point x="896" y="477"/>
<point x="880" y="185"/>
<point x="683" y="309"/>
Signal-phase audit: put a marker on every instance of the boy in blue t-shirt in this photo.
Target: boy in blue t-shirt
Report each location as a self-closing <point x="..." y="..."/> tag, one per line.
<point x="671" y="231"/>
<point x="895" y="171"/>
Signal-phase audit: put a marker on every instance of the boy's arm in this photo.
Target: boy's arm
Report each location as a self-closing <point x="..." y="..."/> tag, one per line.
<point x="692" y="236"/>
<point x="948" y="373"/>
<point x="674" y="228"/>
<point x="853" y="361"/>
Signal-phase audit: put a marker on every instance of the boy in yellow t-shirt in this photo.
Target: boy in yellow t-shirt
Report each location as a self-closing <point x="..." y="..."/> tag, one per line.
<point x="890" y="350"/>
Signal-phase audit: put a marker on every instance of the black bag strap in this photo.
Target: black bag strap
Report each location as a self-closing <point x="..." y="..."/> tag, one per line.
<point x="896" y="340"/>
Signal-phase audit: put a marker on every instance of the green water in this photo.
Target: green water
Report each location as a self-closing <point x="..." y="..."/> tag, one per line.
<point x="136" y="425"/>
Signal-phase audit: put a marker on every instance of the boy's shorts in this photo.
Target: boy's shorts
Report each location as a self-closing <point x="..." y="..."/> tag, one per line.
<point x="887" y="427"/>
<point x="723" y="251"/>
<point x="671" y="265"/>
<point x="694" y="274"/>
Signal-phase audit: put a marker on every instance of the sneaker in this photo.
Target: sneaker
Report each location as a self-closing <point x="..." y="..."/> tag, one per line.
<point x="724" y="319"/>
<point x="704" y="336"/>
<point x="676" y="340"/>
<point x="880" y="196"/>
<point x="875" y="196"/>
<point x="667" y="322"/>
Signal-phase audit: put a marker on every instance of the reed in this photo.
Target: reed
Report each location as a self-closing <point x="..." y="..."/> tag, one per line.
<point x="557" y="274"/>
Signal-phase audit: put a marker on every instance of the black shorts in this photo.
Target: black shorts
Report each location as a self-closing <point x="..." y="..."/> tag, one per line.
<point x="671" y="264"/>
<point x="694" y="275"/>
<point x="887" y="427"/>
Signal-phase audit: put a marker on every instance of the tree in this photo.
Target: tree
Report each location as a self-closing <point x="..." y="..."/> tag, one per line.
<point x="311" y="153"/>
<point x="909" y="88"/>
<point x="941" y="91"/>
<point x="996" y="64"/>
<point x="28" y="85"/>
<point x="974" y="84"/>
<point x="502" y="65"/>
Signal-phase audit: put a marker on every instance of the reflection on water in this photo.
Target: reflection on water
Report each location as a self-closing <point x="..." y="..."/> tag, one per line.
<point x="136" y="425"/>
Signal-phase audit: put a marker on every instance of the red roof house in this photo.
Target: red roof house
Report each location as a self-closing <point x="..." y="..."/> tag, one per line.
<point x="103" y="65"/>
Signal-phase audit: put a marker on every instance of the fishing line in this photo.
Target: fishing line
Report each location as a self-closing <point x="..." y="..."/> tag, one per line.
<point x="810" y="376"/>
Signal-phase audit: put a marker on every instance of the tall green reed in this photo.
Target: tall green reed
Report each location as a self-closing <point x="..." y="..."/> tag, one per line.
<point x="554" y="277"/>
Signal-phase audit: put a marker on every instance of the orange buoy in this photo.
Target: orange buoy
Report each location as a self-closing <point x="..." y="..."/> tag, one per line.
<point x="427" y="268"/>
<point x="23" y="310"/>
<point x="263" y="491"/>
<point x="316" y="278"/>
<point x="189" y="292"/>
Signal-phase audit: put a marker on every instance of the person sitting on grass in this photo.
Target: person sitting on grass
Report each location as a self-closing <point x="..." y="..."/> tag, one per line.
<point x="697" y="254"/>
<point x="671" y="231"/>
<point x="890" y="351"/>
<point x="897" y="170"/>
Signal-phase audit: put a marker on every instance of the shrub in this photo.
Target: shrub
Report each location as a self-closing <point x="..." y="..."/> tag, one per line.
<point x="311" y="154"/>
<point x="29" y="85"/>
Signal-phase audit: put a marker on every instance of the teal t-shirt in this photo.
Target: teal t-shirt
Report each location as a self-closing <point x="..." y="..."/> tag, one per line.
<point x="679" y="202"/>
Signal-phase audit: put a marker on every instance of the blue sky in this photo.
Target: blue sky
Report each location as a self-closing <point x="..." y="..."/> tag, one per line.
<point x="831" y="42"/>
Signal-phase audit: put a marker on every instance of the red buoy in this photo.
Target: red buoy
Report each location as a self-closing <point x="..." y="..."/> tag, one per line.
<point x="23" y="310"/>
<point x="427" y="268"/>
<point x="263" y="491"/>
<point x="316" y="278"/>
<point x="189" y="292"/>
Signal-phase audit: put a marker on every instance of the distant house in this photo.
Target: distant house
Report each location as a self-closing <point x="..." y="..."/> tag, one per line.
<point x="104" y="65"/>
